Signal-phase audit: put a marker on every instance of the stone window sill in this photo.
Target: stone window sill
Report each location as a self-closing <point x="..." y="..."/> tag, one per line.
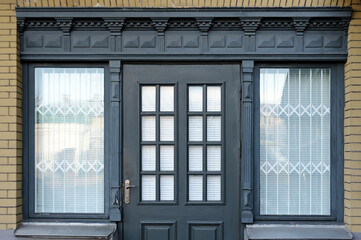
<point x="296" y="231"/>
<point x="66" y="230"/>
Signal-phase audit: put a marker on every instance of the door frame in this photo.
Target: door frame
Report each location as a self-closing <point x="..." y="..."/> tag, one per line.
<point x="74" y="41"/>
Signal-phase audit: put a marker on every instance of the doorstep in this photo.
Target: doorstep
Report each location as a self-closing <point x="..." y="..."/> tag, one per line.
<point x="66" y="230"/>
<point x="296" y="231"/>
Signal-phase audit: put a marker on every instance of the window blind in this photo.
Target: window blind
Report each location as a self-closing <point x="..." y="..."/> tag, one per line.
<point x="295" y="141"/>
<point x="69" y="140"/>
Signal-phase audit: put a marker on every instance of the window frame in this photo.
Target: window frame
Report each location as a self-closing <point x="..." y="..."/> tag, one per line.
<point x="29" y="144"/>
<point x="337" y="101"/>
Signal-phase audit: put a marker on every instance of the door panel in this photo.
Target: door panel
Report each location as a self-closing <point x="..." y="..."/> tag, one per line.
<point x="181" y="151"/>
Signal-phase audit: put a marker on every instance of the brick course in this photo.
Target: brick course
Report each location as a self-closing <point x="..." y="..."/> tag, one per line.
<point x="11" y="94"/>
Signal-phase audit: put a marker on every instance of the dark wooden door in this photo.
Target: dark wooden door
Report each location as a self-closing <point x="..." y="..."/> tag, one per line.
<point x="181" y="151"/>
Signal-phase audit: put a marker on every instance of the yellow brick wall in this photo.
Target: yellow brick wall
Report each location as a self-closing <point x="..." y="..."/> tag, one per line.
<point x="353" y="123"/>
<point x="10" y="94"/>
<point x="10" y="119"/>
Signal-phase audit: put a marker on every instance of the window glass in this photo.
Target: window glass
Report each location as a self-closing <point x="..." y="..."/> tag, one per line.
<point x="69" y="140"/>
<point x="295" y="141"/>
<point x="158" y="135"/>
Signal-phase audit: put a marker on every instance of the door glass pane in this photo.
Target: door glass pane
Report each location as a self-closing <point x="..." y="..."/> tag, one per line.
<point x="295" y="141"/>
<point x="148" y="128"/>
<point x="214" y="128"/>
<point x="214" y="158"/>
<point x="69" y="140"/>
<point x="148" y="158"/>
<point x="195" y="99"/>
<point x="148" y="98"/>
<point x="195" y="128"/>
<point x="214" y="188"/>
<point x="167" y="128"/>
<point x="167" y="158"/>
<point x="167" y="99"/>
<point x="213" y="98"/>
<point x="148" y="188"/>
<point x="167" y="188"/>
<point x="195" y="188"/>
<point x="195" y="158"/>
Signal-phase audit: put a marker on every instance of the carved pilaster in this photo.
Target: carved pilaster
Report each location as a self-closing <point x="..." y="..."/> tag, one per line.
<point x="115" y="26"/>
<point x="247" y="142"/>
<point x="300" y="25"/>
<point x="250" y="26"/>
<point x="160" y="24"/>
<point x="65" y="25"/>
<point x="115" y="146"/>
<point x="204" y="24"/>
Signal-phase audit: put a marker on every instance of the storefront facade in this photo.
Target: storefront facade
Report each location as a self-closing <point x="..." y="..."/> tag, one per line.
<point x="189" y="120"/>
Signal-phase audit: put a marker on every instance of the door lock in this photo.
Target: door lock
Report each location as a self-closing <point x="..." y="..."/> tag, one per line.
<point x="127" y="188"/>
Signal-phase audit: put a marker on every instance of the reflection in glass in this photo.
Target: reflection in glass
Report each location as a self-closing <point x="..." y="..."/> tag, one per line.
<point x="195" y="103"/>
<point x="148" y="158"/>
<point x="214" y="158"/>
<point x="195" y="128"/>
<point x="148" y="98"/>
<point x="295" y="141"/>
<point x="148" y="128"/>
<point x="69" y="140"/>
<point x="148" y="188"/>
<point x="214" y="188"/>
<point x="167" y="158"/>
<point x="167" y="188"/>
<point x="214" y="128"/>
<point x="213" y="98"/>
<point x="195" y="158"/>
<point x="195" y="188"/>
<point x="166" y="98"/>
<point x="166" y="128"/>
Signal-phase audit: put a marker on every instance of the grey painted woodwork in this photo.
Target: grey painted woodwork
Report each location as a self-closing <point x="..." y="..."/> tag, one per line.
<point x="241" y="33"/>
<point x="182" y="217"/>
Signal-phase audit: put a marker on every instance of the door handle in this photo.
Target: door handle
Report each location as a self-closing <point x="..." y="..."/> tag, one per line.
<point x="127" y="188"/>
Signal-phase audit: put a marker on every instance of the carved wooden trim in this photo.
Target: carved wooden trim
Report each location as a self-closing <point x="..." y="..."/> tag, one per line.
<point x="115" y="146"/>
<point x="247" y="142"/>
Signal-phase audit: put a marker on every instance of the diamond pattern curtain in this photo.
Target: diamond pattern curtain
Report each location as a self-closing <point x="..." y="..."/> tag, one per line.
<point x="295" y="141"/>
<point x="69" y="140"/>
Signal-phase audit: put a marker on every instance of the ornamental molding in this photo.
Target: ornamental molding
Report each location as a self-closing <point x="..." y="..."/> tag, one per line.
<point x="248" y="25"/>
<point x="224" y="33"/>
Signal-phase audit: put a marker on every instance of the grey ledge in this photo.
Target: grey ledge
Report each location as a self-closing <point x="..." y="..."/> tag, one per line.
<point x="66" y="230"/>
<point x="296" y="231"/>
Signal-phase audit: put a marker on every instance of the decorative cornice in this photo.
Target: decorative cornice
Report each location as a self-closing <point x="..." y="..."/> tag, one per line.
<point x="345" y="24"/>
<point x="21" y="25"/>
<point x="175" y="23"/>
<point x="89" y="23"/>
<point x="204" y="24"/>
<point x="115" y="25"/>
<point x="276" y="23"/>
<point x="160" y="25"/>
<point x="143" y="23"/>
<point x="300" y="25"/>
<point x="226" y="23"/>
<point x="250" y="25"/>
<point x="64" y="24"/>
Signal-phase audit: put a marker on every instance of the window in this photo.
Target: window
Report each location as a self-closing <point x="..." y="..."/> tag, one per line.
<point x="68" y="156"/>
<point x="298" y="118"/>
